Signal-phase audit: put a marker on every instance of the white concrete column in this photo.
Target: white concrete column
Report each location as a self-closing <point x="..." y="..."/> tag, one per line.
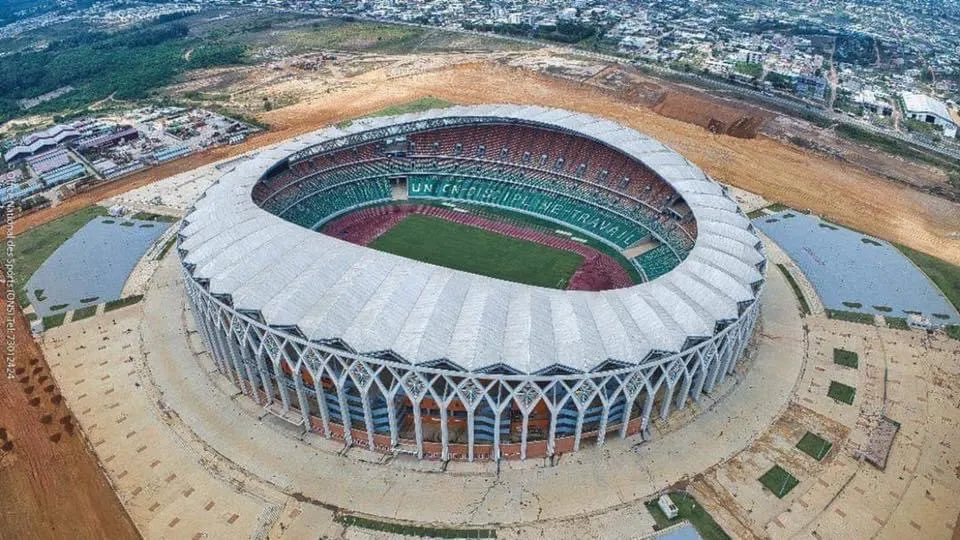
<point x="216" y="350"/>
<point x="444" y="433"/>
<point x="627" y="411"/>
<point x="579" y="428"/>
<point x="321" y="398"/>
<point x="282" y="386"/>
<point x="418" y="428"/>
<point x="523" y="434"/>
<point x="344" y="411"/>
<point x="204" y="325"/>
<point x="264" y="377"/>
<point x="302" y="400"/>
<point x="716" y="366"/>
<point x="700" y="380"/>
<point x="254" y="382"/>
<point x="681" y="397"/>
<point x="552" y="435"/>
<point x="497" y="412"/>
<point x="470" y="434"/>
<point x="602" y="433"/>
<point x="368" y="416"/>
<point x="249" y="385"/>
<point x="665" y="404"/>
<point x="234" y="357"/>
<point x="647" y="410"/>
<point x="392" y="419"/>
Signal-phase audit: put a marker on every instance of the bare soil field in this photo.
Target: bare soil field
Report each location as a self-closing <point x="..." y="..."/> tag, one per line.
<point x="826" y="142"/>
<point x="52" y="485"/>
<point x="682" y="103"/>
<point x="800" y="178"/>
<point x="842" y="192"/>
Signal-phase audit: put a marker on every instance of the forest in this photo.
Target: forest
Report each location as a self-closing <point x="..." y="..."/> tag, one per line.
<point x="128" y="65"/>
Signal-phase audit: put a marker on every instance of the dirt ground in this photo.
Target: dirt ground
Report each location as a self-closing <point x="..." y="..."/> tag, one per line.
<point x="842" y="192"/>
<point x="52" y="485"/>
<point x="806" y="180"/>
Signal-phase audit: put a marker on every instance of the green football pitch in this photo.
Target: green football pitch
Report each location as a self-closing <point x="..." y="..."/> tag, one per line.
<point x="474" y="250"/>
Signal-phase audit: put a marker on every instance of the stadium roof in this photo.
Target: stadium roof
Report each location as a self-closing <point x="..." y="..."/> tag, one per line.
<point x="375" y="301"/>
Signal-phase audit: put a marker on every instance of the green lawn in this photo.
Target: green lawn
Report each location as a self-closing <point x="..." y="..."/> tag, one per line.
<point x="779" y="481"/>
<point x="418" y="105"/>
<point x="841" y="392"/>
<point x="944" y="274"/>
<point x="804" y="307"/>
<point x="400" y="529"/>
<point x="814" y="445"/>
<point x="953" y="331"/>
<point x="425" y="103"/>
<point x="53" y="321"/>
<point x="123" y="302"/>
<point x="850" y="316"/>
<point x="36" y="245"/>
<point x="467" y="248"/>
<point x="84" y="312"/>
<point x="689" y="510"/>
<point x="149" y="216"/>
<point x="166" y="247"/>
<point x="898" y="323"/>
<point x="846" y="358"/>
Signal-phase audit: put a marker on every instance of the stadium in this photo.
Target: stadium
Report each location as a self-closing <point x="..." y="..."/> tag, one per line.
<point x="475" y="282"/>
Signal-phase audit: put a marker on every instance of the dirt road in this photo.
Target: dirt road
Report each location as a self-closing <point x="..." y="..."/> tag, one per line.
<point x="50" y="483"/>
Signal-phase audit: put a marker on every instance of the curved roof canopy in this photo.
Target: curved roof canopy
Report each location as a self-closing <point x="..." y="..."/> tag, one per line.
<point x="373" y="301"/>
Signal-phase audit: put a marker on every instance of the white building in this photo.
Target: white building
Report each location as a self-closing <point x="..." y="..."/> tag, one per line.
<point x="932" y="111"/>
<point x="752" y="57"/>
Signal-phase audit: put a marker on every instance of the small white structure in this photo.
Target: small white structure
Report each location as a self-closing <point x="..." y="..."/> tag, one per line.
<point x="36" y="327"/>
<point x="667" y="507"/>
<point x="932" y="111"/>
<point x="918" y="321"/>
<point x="117" y="210"/>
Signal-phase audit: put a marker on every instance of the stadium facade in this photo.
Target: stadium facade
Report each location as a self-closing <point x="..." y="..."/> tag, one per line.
<point x="403" y="356"/>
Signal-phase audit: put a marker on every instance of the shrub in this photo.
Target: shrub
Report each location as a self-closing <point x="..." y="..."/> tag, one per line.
<point x="53" y="321"/>
<point x="123" y="302"/>
<point x="84" y="312"/>
<point x="898" y="323"/>
<point x="850" y="316"/>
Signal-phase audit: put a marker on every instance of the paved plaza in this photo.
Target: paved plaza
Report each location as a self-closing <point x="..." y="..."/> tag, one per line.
<point x="190" y="456"/>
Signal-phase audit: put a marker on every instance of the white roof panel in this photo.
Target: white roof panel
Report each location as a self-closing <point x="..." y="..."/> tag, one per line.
<point x="376" y="301"/>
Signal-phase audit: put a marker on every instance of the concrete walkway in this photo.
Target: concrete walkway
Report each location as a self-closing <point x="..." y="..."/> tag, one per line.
<point x="594" y="482"/>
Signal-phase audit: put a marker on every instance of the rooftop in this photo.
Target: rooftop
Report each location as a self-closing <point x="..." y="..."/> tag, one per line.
<point x="375" y="301"/>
